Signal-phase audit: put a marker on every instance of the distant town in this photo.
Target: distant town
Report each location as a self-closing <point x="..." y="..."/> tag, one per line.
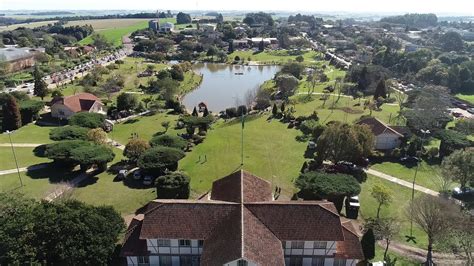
<point x="236" y="138"/>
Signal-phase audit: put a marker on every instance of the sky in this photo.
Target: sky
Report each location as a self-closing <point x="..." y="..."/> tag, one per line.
<point x="465" y="7"/>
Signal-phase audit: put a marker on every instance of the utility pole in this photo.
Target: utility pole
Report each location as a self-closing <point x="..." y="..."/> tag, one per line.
<point x="14" y="156"/>
<point x="242" y="141"/>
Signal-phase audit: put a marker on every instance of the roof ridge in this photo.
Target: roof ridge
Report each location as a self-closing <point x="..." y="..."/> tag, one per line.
<point x="260" y="220"/>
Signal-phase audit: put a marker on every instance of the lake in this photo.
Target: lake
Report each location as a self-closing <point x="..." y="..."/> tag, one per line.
<point x="221" y="88"/>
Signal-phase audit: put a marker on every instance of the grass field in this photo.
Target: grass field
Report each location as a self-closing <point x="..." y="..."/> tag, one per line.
<point x="24" y="156"/>
<point x="271" y="57"/>
<point x="427" y="175"/>
<point x="30" y="133"/>
<point x="27" y="25"/>
<point x="270" y="151"/>
<point x="114" y="29"/>
<point x="466" y="97"/>
<point x="402" y="261"/>
<point x="401" y="199"/>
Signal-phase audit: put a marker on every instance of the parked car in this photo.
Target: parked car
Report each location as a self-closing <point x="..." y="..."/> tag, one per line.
<point x="466" y="193"/>
<point x="311" y="145"/>
<point x="471" y="110"/>
<point x="410" y="160"/>
<point x="122" y="174"/>
<point x="137" y="175"/>
<point x="148" y="180"/>
<point x="352" y="207"/>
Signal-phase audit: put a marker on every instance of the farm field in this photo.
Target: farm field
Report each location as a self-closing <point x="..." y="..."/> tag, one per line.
<point x="27" y="25"/>
<point x="105" y="24"/>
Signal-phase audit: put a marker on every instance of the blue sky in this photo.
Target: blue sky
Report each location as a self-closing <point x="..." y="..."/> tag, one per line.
<point x="373" y="6"/>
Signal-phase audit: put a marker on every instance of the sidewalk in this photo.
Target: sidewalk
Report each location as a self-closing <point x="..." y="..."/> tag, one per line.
<point x="24" y="169"/>
<point x="402" y="182"/>
<point x="21" y="145"/>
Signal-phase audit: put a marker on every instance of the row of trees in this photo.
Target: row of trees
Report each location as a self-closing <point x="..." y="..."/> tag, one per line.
<point x="18" y="110"/>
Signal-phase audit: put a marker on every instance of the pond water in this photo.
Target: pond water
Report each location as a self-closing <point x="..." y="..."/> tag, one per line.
<point x="225" y="86"/>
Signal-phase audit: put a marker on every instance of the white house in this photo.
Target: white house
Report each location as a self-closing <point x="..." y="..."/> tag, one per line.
<point x="64" y="107"/>
<point x="386" y="138"/>
<point x="240" y="224"/>
<point x="167" y="27"/>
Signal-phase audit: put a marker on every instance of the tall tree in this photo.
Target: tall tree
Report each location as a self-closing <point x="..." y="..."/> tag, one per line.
<point x="41" y="88"/>
<point x="382" y="195"/>
<point x="381" y="90"/>
<point x="11" y="114"/>
<point x="368" y="244"/>
<point x="460" y="166"/>
<point x="433" y="216"/>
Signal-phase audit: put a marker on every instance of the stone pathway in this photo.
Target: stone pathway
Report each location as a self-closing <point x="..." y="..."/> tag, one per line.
<point x="402" y="182"/>
<point x="62" y="188"/>
<point x="24" y="169"/>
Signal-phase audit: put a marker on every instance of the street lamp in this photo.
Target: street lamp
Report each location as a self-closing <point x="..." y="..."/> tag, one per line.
<point x="14" y="155"/>
<point x="411" y="237"/>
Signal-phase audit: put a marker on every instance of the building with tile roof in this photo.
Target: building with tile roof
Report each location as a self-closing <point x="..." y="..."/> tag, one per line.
<point x="64" y="107"/>
<point x="386" y="137"/>
<point x="239" y="223"/>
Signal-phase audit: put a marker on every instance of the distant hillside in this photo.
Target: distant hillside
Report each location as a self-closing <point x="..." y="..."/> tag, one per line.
<point x="413" y="20"/>
<point x="52" y="13"/>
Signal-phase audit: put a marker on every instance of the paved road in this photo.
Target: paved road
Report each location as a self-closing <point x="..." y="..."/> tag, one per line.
<point x="401" y="182"/>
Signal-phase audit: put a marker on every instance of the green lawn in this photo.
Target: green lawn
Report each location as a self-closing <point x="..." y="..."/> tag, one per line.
<point x="271" y="57"/>
<point x="270" y="149"/>
<point x="402" y="261"/>
<point x="401" y="199"/>
<point x="114" y="35"/>
<point x="466" y="97"/>
<point x="426" y="176"/>
<point x="24" y="156"/>
<point x="30" y="133"/>
<point x="145" y="127"/>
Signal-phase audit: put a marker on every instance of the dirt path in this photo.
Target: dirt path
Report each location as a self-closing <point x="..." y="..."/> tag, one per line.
<point x="21" y="145"/>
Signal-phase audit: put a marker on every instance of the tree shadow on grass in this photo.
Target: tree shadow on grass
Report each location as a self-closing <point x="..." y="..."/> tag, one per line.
<point x="131" y="121"/>
<point x="54" y="173"/>
<point x="88" y="181"/>
<point x="135" y="184"/>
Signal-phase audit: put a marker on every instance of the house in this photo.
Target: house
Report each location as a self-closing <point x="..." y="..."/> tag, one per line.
<point x="64" y="107"/>
<point x="76" y="51"/>
<point x="207" y="27"/>
<point x="239" y="223"/>
<point x="166" y="27"/>
<point x="19" y="58"/>
<point x="386" y="137"/>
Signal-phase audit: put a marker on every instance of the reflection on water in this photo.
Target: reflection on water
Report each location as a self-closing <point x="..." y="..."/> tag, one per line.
<point x="222" y="88"/>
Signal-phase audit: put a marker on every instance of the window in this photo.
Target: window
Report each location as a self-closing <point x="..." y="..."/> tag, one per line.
<point x="143" y="260"/>
<point x="189" y="261"/>
<point x="165" y="261"/>
<point x="297" y="244"/>
<point x="200" y="243"/>
<point x="296" y="261"/>
<point x="164" y="242"/>
<point x="318" y="261"/>
<point x="339" y="262"/>
<point x="242" y="263"/>
<point x="320" y="245"/>
<point x="184" y="243"/>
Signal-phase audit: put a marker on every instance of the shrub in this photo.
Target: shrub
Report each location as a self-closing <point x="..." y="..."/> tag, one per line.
<point x="89" y="155"/>
<point x="242" y="110"/>
<point x="451" y="141"/>
<point x="29" y="110"/>
<point x="60" y="152"/>
<point x="231" y="112"/>
<point x="158" y="159"/>
<point x="135" y="148"/>
<point x="68" y="133"/>
<point x="89" y="120"/>
<point x="98" y="136"/>
<point x="127" y="101"/>
<point x="173" y="186"/>
<point x="169" y="141"/>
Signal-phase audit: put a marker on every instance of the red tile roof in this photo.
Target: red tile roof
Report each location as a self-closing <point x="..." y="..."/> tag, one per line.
<point x="246" y="226"/>
<point x="133" y="245"/>
<point x="77" y="103"/>
<point x="378" y="127"/>
<point x="350" y="247"/>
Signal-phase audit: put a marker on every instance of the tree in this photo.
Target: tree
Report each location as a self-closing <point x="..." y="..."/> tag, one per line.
<point x="344" y="142"/>
<point x="29" y="110"/>
<point x="275" y="110"/>
<point x="177" y="73"/>
<point x="89" y="120"/>
<point x="183" y="18"/>
<point x="460" y="166"/>
<point x="383" y="195"/>
<point x="68" y="133"/>
<point x="169" y="141"/>
<point x="11" y="114"/>
<point x="98" y="136"/>
<point x="450" y="141"/>
<point x="100" y="42"/>
<point x="380" y="90"/>
<point x="299" y="59"/>
<point x="159" y="159"/>
<point x="40" y="88"/>
<point x="212" y="51"/>
<point x="320" y="185"/>
<point x="135" y="148"/>
<point x="60" y="152"/>
<point x="173" y="186"/>
<point x="205" y="112"/>
<point x="261" y="46"/>
<point x="195" y="112"/>
<point x="293" y="68"/>
<point x="89" y="155"/>
<point x="127" y="101"/>
<point x="368" y="244"/>
<point x="451" y="41"/>
<point x="286" y="85"/>
<point x="433" y="216"/>
<point x="384" y="229"/>
<point x="166" y="125"/>
<point x="461" y="237"/>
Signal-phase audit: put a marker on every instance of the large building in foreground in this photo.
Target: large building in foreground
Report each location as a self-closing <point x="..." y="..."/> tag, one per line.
<point x="239" y="223"/>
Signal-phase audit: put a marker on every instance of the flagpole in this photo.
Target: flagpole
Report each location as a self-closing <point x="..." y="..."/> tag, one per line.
<point x="242" y="142"/>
